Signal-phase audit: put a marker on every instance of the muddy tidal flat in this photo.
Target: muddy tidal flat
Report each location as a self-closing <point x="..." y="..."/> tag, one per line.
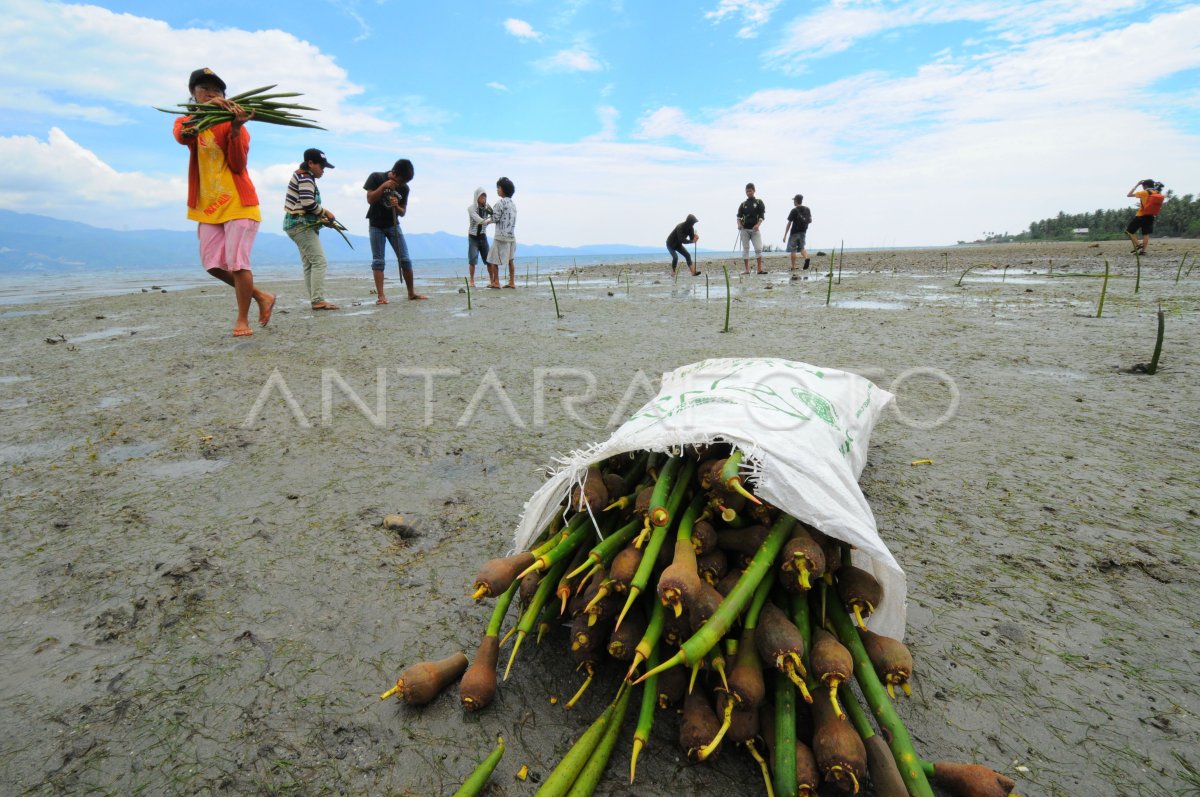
<point x="199" y="596"/>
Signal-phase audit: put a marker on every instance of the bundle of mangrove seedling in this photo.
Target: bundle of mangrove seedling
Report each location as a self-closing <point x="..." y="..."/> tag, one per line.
<point x="729" y="618"/>
<point x="263" y="107"/>
<point x="335" y="225"/>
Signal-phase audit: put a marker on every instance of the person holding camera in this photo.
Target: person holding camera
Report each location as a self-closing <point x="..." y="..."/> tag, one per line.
<point x="387" y="195"/>
<point x="1150" y="202"/>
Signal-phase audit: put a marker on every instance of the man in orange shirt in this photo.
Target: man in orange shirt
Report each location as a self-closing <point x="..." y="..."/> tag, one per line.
<point x="1150" y="201"/>
<point x="221" y="198"/>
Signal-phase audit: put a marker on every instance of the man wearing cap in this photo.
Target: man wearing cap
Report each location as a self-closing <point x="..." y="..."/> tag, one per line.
<point x="750" y="217"/>
<point x="221" y="198"/>
<point x="797" y="229"/>
<point x="303" y="216"/>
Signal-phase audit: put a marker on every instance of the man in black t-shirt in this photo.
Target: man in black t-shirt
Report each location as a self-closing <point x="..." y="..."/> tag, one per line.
<point x="798" y="220"/>
<point x="750" y="217"/>
<point x="387" y="194"/>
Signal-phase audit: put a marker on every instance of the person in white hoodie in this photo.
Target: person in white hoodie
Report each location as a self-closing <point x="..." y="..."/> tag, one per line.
<point x="478" y="214"/>
<point x="504" y="241"/>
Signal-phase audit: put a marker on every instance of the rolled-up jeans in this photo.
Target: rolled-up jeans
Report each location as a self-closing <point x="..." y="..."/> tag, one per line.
<point x="750" y="237"/>
<point x="380" y="235"/>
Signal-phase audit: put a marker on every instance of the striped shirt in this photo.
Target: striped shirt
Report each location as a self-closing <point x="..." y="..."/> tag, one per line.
<point x="302" y="204"/>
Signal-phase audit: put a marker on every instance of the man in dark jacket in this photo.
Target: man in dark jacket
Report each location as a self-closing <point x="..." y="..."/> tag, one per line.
<point x="684" y="233"/>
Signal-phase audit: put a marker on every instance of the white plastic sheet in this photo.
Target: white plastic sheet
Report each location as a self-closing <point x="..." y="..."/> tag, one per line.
<point x="804" y="430"/>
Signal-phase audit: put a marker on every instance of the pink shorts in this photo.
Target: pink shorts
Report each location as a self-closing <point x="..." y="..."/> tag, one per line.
<point x="227" y="246"/>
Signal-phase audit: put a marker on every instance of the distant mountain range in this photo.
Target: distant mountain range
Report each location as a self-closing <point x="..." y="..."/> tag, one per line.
<point x="29" y="242"/>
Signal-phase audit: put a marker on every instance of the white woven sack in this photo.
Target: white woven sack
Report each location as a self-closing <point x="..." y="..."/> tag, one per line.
<point x="804" y="430"/>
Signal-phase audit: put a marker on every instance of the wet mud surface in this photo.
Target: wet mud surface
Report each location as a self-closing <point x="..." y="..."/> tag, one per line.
<point x="200" y="596"/>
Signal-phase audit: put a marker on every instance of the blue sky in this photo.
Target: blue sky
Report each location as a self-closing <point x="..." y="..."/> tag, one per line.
<point x="902" y="123"/>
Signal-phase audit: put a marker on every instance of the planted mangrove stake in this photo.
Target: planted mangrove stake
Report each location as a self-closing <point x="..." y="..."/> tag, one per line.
<point x="968" y="271"/>
<point x="468" y="283"/>
<point x="1137" y="280"/>
<point x="479" y="778"/>
<point x="829" y="280"/>
<point x="1179" y="270"/>
<point x="1153" y="365"/>
<point x="728" y="296"/>
<point x="841" y="257"/>
<point x="1103" y="290"/>
<point x="554" y="293"/>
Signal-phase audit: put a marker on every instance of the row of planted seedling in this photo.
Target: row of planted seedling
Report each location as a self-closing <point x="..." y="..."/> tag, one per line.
<point x="733" y="618"/>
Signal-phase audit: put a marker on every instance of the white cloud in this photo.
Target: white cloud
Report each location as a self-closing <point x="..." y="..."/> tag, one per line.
<point x="57" y="176"/>
<point x="753" y="14"/>
<point x="662" y="123"/>
<point x="86" y="62"/>
<point x="497" y="86"/>
<point x="839" y="26"/>
<point x="522" y="30"/>
<point x="608" y="116"/>
<point x="577" y="60"/>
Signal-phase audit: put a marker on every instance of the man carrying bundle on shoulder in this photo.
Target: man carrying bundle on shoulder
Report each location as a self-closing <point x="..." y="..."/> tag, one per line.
<point x="221" y="197"/>
<point x="1150" y="202"/>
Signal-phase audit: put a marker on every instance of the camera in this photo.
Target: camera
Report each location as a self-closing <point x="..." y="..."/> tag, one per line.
<point x="388" y="194"/>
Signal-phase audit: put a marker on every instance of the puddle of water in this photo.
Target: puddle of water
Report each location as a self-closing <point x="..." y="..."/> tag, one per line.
<point x="124" y="453"/>
<point x="19" y="313"/>
<point x="184" y="468"/>
<point x="108" y="402"/>
<point x="110" y="332"/>
<point x="14" y="404"/>
<point x="8" y="380"/>
<point x="27" y="451"/>
<point x="1015" y="280"/>
<point x="869" y="304"/>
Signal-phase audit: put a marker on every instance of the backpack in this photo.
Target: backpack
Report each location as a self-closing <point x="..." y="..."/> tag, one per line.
<point x="1152" y="205"/>
<point x="805" y="215"/>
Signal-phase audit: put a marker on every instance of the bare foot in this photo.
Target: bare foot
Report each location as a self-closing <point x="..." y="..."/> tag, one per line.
<point x="381" y="300"/>
<point x="416" y="297"/>
<point x="510" y="285"/>
<point x="242" y="332"/>
<point x="472" y="283"/>
<point x="264" y="311"/>
<point x="495" y="287"/>
<point x="325" y="306"/>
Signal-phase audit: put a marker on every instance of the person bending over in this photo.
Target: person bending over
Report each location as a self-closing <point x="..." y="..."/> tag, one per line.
<point x="684" y="233"/>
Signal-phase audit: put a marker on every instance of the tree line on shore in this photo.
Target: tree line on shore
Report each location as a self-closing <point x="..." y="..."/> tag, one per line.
<point x="1180" y="218"/>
